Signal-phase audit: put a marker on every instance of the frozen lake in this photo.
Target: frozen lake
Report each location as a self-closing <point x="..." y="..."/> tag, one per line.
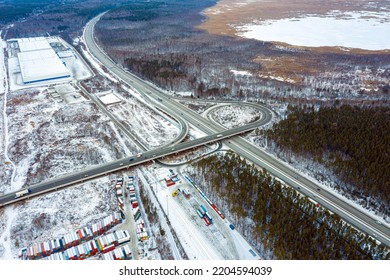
<point x="364" y="30"/>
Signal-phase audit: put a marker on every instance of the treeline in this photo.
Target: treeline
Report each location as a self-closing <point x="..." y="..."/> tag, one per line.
<point x="15" y="10"/>
<point x="150" y="38"/>
<point x="50" y="17"/>
<point x="278" y="221"/>
<point x="166" y="48"/>
<point x="354" y="142"/>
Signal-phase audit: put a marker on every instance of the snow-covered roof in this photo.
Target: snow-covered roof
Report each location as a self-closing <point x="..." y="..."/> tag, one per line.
<point x="110" y="99"/>
<point x="41" y="65"/>
<point x="33" y="44"/>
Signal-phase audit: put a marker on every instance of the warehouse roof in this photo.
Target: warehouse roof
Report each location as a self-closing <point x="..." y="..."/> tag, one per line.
<point x="41" y="65"/>
<point x="33" y="44"/>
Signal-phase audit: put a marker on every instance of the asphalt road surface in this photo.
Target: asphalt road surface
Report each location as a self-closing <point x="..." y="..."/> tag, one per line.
<point x="343" y="208"/>
<point x="347" y="211"/>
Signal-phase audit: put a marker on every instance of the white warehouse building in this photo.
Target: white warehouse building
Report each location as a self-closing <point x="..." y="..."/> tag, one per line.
<point x="39" y="62"/>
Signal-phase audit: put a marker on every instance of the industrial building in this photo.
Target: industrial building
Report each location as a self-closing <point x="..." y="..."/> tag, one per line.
<point x="39" y="62"/>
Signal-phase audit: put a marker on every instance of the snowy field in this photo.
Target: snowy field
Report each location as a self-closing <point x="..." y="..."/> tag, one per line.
<point x="152" y="129"/>
<point x="363" y="30"/>
<point x="231" y="116"/>
<point x="49" y="131"/>
<point x="56" y="214"/>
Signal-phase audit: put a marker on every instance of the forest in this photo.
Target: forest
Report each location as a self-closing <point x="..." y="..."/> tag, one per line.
<point x="160" y="42"/>
<point x="49" y="17"/>
<point x="353" y="142"/>
<point x="278" y="221"/>
<point x="13" y="10"/>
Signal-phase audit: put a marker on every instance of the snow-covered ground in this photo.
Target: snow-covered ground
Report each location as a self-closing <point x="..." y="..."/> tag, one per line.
<point x="152" y="129"/>
<point x="231" y="116"/>
<point x="196" y="105"/>
<point x="241" y="73"/>
<point x="214" y="242"/>
<point x="55" y="214"/>
<point x="46" y="133"/>
<point x="363" y="30"/>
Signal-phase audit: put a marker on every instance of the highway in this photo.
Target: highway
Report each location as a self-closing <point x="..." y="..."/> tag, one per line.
<point x="105" y="169"/>
<point x="214" y="132"/>
<point x="347" y="211"/>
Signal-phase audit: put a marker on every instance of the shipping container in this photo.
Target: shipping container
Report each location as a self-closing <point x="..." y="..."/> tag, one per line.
<point x="199" y="213"/>
<point x="108" y="248"/>
<point x="186" y="193"/>
<point x="175" y="178"/>
<point x="170" y="183"/>
<point x="209" y="217"/>
<point x="127" y="251"/>
<point x="144" y="236"/>
<point x="141" y="222"/>
<point x="118" y="254"/>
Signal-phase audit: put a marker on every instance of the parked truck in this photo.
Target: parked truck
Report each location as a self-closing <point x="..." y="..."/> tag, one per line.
<point x="175" y="193"/>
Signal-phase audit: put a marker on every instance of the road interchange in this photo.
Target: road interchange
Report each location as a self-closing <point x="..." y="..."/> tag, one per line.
<point x="215" y="132"/>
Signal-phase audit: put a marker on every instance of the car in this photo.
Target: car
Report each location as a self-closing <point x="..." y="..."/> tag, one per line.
<point x="252" y="252"/>
<point x="318" y="189"/>
<point x="378" y="222"/>
<point x="131" y="159"/>
<point x="121" y="164"/>
<point x="154" y="155"/>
